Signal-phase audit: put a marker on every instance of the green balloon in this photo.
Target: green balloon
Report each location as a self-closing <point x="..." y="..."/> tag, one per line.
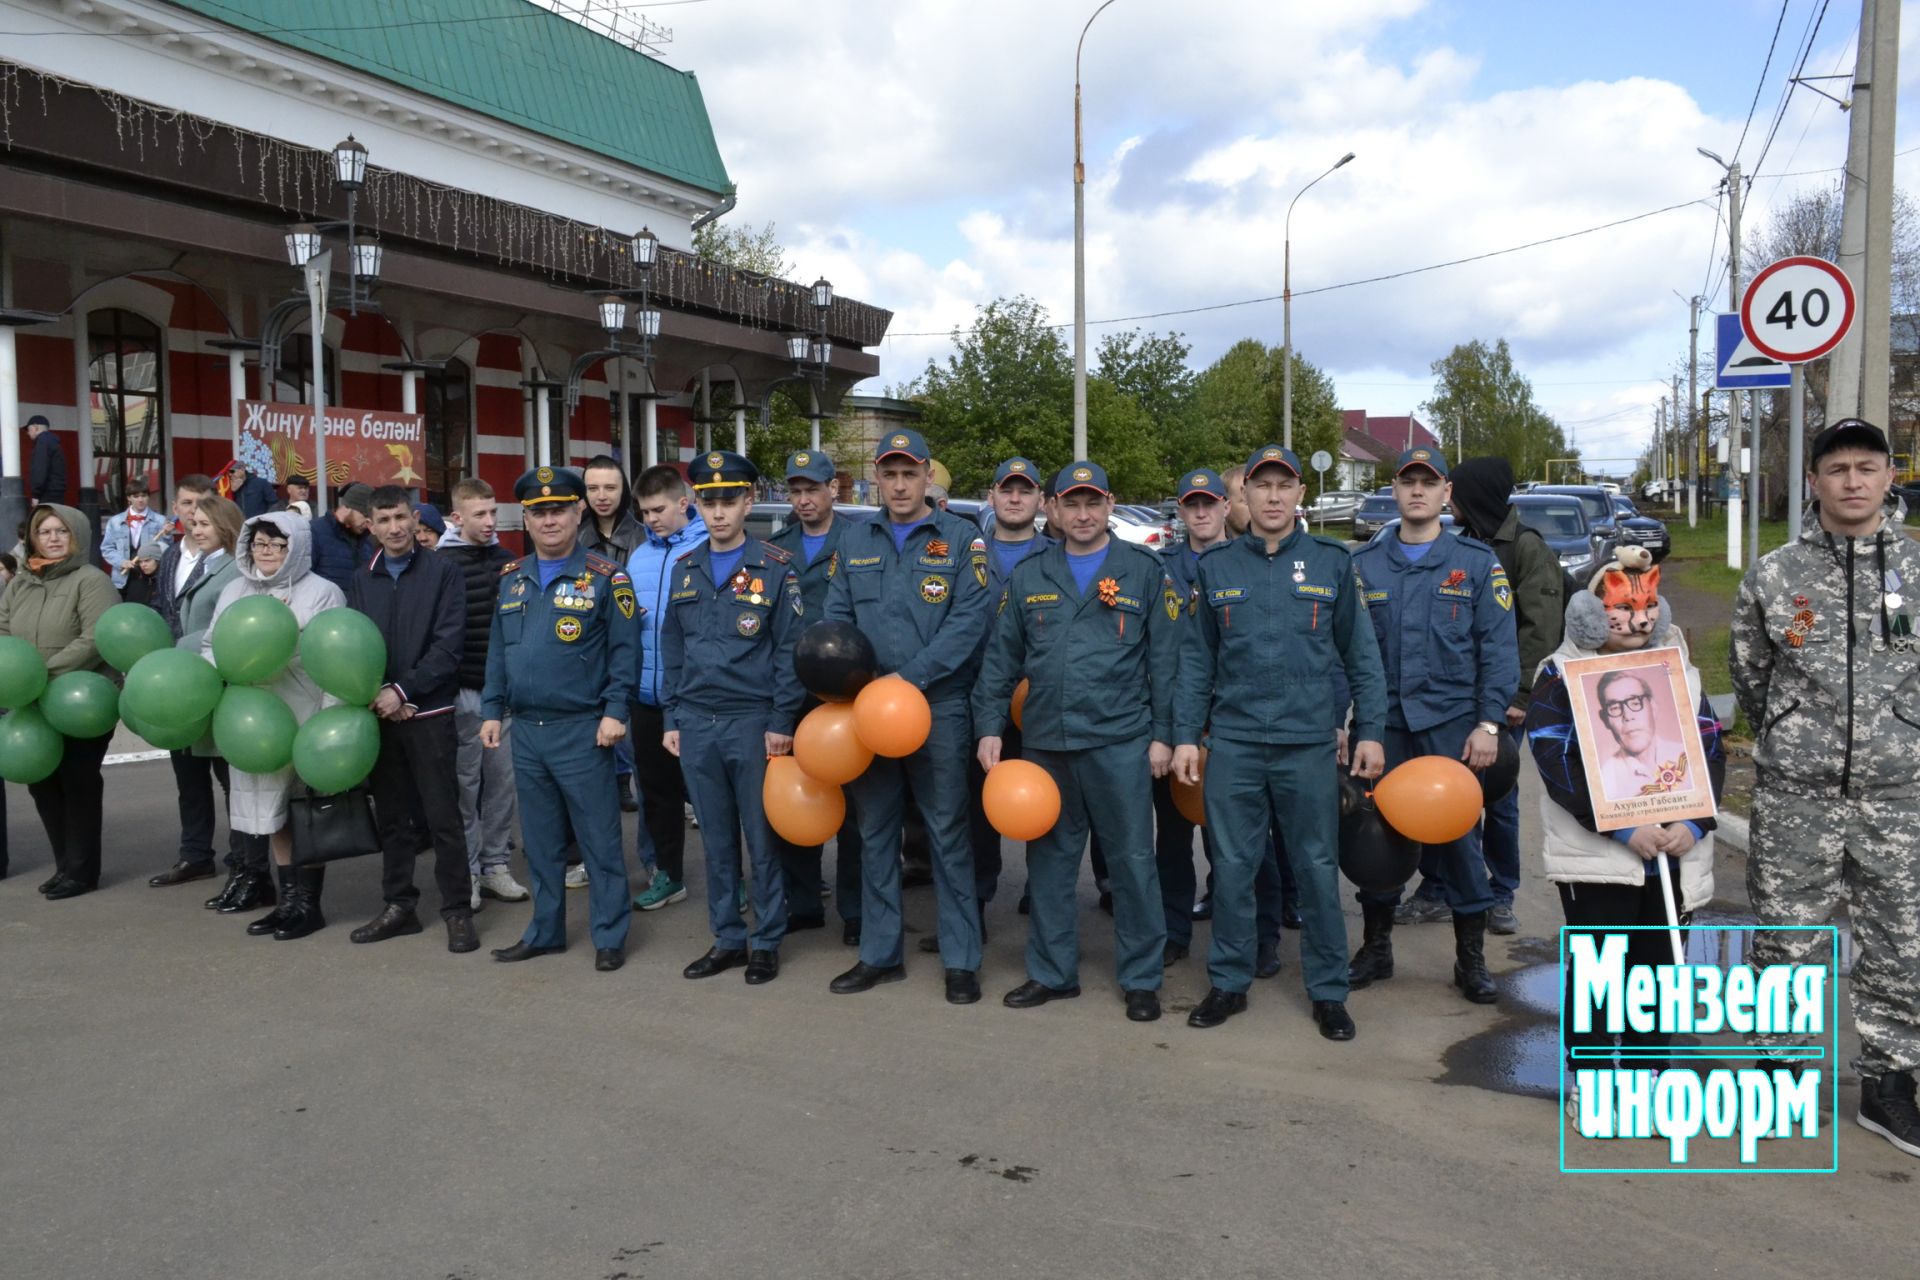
<point x="337" y="748"/>
<point x="177" y="738"/>
<point x="343" y="653"/>
<point x="82" y="704"/>
<point x="254" y="640"/>
<point x="127" y="633"/>
<point x="254" y="729"/>
<point x="170" y="689"/>
<point x="23" y="672"/>
<point x="30" y="748"/>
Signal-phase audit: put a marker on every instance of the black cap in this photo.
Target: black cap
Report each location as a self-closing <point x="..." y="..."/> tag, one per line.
<point x="1848" y="433"/>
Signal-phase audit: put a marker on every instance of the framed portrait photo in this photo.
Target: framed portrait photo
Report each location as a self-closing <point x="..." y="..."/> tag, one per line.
<point x="1639" y="739"/>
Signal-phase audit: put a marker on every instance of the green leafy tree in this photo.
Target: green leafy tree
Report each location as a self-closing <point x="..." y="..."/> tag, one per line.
<point x="1240" y="400"/>
<point x="1483" y="404"/>
<point x="1006" y="388"/>
<point x="1152" y="368"/>
<point x="743" y="247"/>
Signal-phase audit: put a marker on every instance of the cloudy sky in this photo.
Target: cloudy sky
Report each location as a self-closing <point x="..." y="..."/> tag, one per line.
<point x="919" y="154"/>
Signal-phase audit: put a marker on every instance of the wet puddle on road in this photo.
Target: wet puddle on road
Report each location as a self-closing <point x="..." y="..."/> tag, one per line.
<point x="1521" y="1054"/>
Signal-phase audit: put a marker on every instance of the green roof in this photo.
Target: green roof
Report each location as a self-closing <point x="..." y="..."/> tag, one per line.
<point x="513" y="61"/>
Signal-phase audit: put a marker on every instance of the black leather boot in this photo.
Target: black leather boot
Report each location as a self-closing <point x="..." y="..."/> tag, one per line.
<point x="304" y="900"/>
<point x="272" y="921"/>
<point x="1470" y="959"/>
<point x="219" y="901"/>
<point x="1373" y="962"/>
<point x="256" y="890"/>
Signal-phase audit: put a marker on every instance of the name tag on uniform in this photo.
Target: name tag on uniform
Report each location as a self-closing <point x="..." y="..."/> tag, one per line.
<point x="1455" y="593"/>
<point x="508" y="606"/>
<point x="1226" y="595"/>
<point x="1047" y="597"/>
<point x="693" y="594"/>
<point x="1377" y="597"/>
<point x="1127" y="603"/>
<point x="1313" y="591"/>
<point x="863" y="562"/>
<point x="935" y="562"/>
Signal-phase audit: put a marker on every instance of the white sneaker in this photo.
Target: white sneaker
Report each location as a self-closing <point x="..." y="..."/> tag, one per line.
<point x="577" y="877"/>
<point x="499" y="883"/>
<point x="473" y="901"/>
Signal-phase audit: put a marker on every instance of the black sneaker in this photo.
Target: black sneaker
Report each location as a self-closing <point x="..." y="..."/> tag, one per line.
<point x="1886" y="1108"/>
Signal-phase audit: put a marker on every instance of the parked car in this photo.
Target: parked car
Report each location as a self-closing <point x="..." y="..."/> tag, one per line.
<point x="981" y="513"/>
<point x="1336" y="506"/>
<point x="1373" y="513"/>
<point x="1597" y="503"/>
<point x="1561" y="522"/>
<point x="1391" y="529"/>
<point x="769" y="518"/>
<point x="1641" y="530"/>
<point x="1149" y="531"/>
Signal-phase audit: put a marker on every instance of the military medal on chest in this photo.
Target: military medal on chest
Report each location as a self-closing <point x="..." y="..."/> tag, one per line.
<point x="1299" y="570"/>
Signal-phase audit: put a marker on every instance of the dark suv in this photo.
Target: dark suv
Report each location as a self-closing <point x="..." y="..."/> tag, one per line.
<point x="1561" y="522"/>
<point x="1373" y="513"/>
<point x="1597" y="503"/>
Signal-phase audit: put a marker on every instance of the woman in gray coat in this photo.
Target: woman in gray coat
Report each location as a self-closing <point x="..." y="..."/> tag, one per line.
<point x="275" y="558"/>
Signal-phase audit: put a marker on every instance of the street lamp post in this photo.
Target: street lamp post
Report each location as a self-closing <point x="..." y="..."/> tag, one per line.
<point x="614" y="315"/>
<point x="812" y="354"/>
<point x="1286" y="309"/>
<point x="1080" y="256"/>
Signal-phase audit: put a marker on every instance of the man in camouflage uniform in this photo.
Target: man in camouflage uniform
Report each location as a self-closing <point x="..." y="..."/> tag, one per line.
<point x="1827" y="668"/>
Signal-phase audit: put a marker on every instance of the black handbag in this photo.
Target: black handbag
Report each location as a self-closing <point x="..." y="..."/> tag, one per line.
<point x="329" y="828"/>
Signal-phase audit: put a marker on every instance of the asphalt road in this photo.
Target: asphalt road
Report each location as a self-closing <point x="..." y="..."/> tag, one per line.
<point x="181" y="1100"/>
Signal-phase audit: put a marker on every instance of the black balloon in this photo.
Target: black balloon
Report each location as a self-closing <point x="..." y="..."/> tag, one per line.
<point x="1373" y="855"/>
<point x="834" y="660"/>
<point x="1503" y="775"/>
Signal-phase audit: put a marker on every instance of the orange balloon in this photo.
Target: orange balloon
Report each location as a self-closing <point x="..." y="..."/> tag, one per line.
<point x="892" y="717"/>
<point x="1021" y="800"/>
<point x="800" y="808"/>
<point x="1190" y="797"/>
<point x="1019" y="702"/>
<point x="828" y="746"/>
<point x="1430" y="799"/>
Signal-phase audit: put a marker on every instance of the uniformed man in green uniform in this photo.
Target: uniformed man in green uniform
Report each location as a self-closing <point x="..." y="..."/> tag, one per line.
<point x="1277" y="615"/>
<point x="1094" y="626"/>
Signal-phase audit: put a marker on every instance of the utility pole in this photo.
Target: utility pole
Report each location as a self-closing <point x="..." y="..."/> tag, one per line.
<point x="1693" y="413"/>
<point x="1857" y="375"/>
<point x="1733" y="398"/>
<point x="1679" y="441"/>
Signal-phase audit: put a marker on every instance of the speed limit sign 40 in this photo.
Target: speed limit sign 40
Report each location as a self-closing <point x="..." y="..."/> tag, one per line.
<point x="1798" y="309"/>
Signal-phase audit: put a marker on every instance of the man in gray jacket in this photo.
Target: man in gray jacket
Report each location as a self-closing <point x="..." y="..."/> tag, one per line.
<point x="1827" y="668"/>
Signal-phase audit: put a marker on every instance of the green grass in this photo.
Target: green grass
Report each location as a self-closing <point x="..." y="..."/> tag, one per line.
<point x="1709" y="540"/>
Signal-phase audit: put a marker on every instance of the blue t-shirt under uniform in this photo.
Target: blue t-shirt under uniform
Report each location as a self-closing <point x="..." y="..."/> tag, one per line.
<point x="1006" y="555"/>
<point x="1084" y="567"/>
<point x="725" y="562"/>
<point x="901" y="532"/>
<point x="1415" y="552"/>
<point x="549" y="570"/>
<point x="810" y="544"/>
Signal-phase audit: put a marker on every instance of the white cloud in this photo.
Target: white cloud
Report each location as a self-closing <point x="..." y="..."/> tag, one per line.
<point x="919" y="155"/>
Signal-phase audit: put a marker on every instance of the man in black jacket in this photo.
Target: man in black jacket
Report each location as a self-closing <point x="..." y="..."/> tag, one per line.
<point x="418" y="600"/>
<point x="47" y="468"/>
<point x="488" y="806"/>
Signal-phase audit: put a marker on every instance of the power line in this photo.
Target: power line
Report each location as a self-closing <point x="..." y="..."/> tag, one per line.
<point x="1806" y="52"/>
<point x="1764" y="68"/>
<point x="1350" y="284"/>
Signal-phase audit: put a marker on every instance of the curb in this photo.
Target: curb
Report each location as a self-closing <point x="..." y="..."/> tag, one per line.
<point x="1730" y="829"/>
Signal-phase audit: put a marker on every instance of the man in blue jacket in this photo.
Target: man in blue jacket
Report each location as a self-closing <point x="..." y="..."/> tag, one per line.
<point x="915" y="581"/>
<point x="254" y="495"/>
<point x="1442" y="611"/>
<point x="673" y="529"/>
<point x="337" y="536"/>
<point x="418" y="600"/>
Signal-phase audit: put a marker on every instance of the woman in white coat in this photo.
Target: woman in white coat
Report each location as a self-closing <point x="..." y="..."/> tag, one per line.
<point x="1610" y="879"/>
<point x="275" y="558"/>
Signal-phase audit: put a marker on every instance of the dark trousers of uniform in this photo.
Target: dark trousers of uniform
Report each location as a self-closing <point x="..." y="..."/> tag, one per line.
<point x="1462" y="869"/>
<point x="559" y="773"/>
<point x="1250" y="787"/>
<point x="1591" y="908"/>
<point x="1105" y="789"/>
<point x="663" y="791"/>
<point x="985" y="841"/>
<point x="1173" y="857"/>
<point x="416" y="775"/>
<point x="936" y="777"/>
<point x="800" y="864"/>
<point x="193" y="779"/>
<point x="724" y="760"/>
<point x="69" y="800"/>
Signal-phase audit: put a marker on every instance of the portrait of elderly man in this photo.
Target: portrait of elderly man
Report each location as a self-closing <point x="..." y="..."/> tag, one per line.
<point x="1642" y="758"/>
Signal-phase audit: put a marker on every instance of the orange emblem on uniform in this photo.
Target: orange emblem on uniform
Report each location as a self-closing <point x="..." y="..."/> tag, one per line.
<point x="1109" y="592"/>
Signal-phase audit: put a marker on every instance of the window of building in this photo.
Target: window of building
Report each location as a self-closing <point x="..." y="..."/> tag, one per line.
<point x="290" y="380"/>
<point x="123" y="375"/>
<point x="446" y="401"/>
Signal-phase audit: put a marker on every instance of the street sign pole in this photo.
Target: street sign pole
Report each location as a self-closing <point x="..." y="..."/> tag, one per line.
<point x="1796" y="447"/>
<point x="318" y="272"/>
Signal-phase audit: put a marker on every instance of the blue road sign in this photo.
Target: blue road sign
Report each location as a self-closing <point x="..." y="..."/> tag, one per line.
<point x="1738" y="365"/>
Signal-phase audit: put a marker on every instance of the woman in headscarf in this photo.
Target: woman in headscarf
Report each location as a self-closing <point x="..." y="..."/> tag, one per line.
<point x="275" y="558"/>
<point x="53" y="604"/>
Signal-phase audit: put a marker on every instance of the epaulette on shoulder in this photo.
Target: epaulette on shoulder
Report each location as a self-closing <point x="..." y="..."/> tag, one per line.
<point x="1468" y="540"/>
<point x="776" y="553"/>
<point x="598" y="564"/>
<point x="509" y="567"/>
<point x="684" y="556"/>
<point x="1338" y="543"/>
